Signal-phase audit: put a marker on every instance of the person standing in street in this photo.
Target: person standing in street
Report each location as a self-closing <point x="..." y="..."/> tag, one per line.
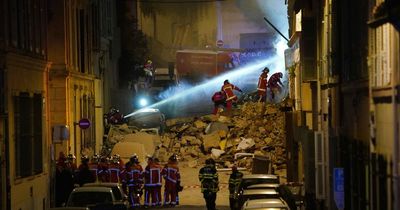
<point x="234" y="181"/>
<point x="136" y="182"/>
<point x="172" y="180"/>
<point x="84" y="174"/>
<point x="262" y="85"/>
<point x="208" y="177"/>
<point x="152" y="179"/>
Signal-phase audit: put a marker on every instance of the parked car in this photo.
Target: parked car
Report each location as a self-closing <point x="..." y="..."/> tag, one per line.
<point x="116" y="188"/>
<point x="263" y="186"/>
<point x="95" y="198"/>
<point x="265" y="204"/>
<point x="251" y="180"/>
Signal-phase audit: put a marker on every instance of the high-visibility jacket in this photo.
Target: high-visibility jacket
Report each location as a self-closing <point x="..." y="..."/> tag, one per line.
<point x="234" y="181"/>
<point x="171" y="173"/>
<point x="228" y="89"/>
<point x="275" y="80"/>
<point x="152" y="175"/>
<point x="208" y="177"/>
<point x="114" y="169"/>
<point x="136" y="175"/>
<point x="262" y="82"/>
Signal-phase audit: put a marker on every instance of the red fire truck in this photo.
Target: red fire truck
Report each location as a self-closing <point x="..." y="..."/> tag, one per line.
<point x="199" y="64"/>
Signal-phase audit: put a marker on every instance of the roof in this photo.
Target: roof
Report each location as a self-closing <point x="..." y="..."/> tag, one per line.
<point x="99" y="184"/>
<point x="92" y="189"/>
<point x="263" y="186"/>
<point x="260" y="176"/>
<point x="260" y="192"/>
<point x="265" y="203"/>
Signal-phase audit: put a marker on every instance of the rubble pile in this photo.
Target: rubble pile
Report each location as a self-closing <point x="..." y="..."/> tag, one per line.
<point x="248" y="129"/>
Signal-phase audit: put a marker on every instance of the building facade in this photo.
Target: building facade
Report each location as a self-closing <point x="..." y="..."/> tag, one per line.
<point x="344" y="87"/>
<point x="24" y="130"/>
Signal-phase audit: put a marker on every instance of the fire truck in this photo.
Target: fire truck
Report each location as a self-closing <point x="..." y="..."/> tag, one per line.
<point x="196" y="65"/>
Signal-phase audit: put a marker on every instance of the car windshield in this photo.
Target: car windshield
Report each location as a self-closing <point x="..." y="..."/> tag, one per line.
<point x="260" y="196"/>
<point x="83" y="199"/>
<point x="247" y="182"/>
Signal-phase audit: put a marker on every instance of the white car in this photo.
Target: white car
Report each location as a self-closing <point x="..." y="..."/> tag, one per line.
<point x="266" y="204"/>
<point x="94" y="197"/>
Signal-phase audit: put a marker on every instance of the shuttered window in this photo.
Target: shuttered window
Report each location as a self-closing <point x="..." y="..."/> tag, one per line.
<point x="28" y="134"/>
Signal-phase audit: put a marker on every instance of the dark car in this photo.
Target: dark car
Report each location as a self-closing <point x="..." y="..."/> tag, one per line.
<point x="96" y="198"/>
<point x="116" y="188"/>
<point x="252" y="194"/>
<point x="251" y="180"/>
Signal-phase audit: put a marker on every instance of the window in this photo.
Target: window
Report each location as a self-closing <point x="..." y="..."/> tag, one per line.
<point x="28" y="134"/>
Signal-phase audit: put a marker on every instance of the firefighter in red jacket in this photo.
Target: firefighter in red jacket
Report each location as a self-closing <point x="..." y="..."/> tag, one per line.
<point x="229" y="95"/>
<point x="152" y="179"/>
<point x="159" y="185"/>
<point x="262" y="85"/>
<point x="172" y="181"/>
<point x="93" y="165"/>
<point x="115" y="168"/>
<point x="275" y="84"/>
<point x="219" y="99"/>
<point x="136" y="182"/>
<point x="103" y="174"/>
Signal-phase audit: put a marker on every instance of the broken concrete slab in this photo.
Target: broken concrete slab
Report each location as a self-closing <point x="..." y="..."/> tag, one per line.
<point x="211" y="141"/>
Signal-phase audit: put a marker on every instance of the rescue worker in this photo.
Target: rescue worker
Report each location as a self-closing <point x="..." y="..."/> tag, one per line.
<point x="115" y="168"/>
<point x="229" y="95"/>
<point x="103" y="174"/>
<point x="152" y="179"/>
<point x="136" y="181"/>
<point x="262" y="85"/>
<point x="172" y="179"/>
<point x="93" y="165"/>
<point x="61" y="194"/>
<point x="159" y="184"/>
<point x="124" y="176"/>
<point x="219" y="99"/>
<point x="66" y="179"/>
<point x="208" y="177"/>
<point x="234" y="181"/>
<point x="84" y="174"/>
<point x="275" y="84"/>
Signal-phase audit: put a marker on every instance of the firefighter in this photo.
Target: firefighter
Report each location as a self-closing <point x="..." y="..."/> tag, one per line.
<point x="103" y="173"/>
<point x="234" y="181"/>
<point x="135" y="182"/>
<point x="84" y="174"/>
<point x="159" y="184"/>
<point x="262" y="85"/>
<point x="93" y="165"/>
<point x="152" y="177"/>
<point x="172" y="179"/>
<point x="208" y="177"/>
<point x="115" y="168"/>
<point x="229" y="95"/>
<point x="275" y="84"/>
<point x="219" y="99"/>
<point x="124" y="177"/>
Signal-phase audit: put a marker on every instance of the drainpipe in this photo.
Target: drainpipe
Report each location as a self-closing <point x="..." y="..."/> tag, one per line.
<point x="396" y="160"/>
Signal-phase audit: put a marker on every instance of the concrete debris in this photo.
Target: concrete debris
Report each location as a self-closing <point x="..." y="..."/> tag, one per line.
<point x="245" y="144"/>
<point x="246" y="129"/>
<point x="216" y="153"/>
<point x="211" y="141"/>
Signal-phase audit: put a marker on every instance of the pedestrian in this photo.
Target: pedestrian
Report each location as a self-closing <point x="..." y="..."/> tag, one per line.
<point x="234" y="181"/>
<point x="262" y="85"/>
<point x="208" y="177"/>
<point x="84" y="174"/>
<point x="219" y="99"/>
<point x="172" y="179"/>
<point x="274" y="83"/>
<point x="152" y="179"/>
<point x="231" y="98"/>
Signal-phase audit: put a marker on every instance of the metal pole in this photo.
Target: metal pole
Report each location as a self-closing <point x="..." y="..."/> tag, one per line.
<point x="272" y="25"/>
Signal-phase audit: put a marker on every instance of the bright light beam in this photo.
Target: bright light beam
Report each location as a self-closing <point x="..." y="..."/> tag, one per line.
<point x="232" y="75"/>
